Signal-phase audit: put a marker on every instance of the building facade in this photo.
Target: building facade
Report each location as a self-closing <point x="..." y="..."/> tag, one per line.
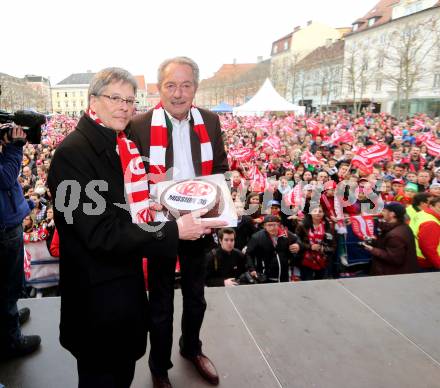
<point x="392" y="58"/>
<point x="31" y="92"/>
<point x="233" y="84"/>
<point x="69" y="97"/>
<point x="320" y="77"/>
<point x="288" y="52"/>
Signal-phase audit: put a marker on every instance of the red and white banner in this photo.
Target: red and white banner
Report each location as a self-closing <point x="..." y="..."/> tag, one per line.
<point x="312" y="126"/>
<point x="337" y="138"/>
<point x="365" y="157"/>
<point x="273" y="142"/>
<point x="433" y="147"/>
<point x="241" y="154"/>
<point x="418" y="124"/>
<point x="257" y="181"/>
<point x="362" y="226"/>
<point x="308" y="158"/>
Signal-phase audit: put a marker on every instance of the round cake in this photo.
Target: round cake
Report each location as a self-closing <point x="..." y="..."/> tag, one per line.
<point x="190" y="195"/>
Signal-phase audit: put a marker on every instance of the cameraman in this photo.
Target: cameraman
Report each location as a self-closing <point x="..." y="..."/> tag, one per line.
<point x="13" y="209"/>
<point x="225" y="264"/>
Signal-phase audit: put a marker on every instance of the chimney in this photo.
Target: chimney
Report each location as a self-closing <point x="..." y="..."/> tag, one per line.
<point x="309" y="22"/>
<point x="234" y="61"/>
<point x="297" y="28"/>
<point x="259" y="59"/>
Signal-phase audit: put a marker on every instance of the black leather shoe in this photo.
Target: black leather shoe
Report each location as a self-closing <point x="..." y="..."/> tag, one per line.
<point x="205" y="367"/>
<point x="23" y="315"/>
<point x="161" y="382"/>
<point x="25" y="345"/>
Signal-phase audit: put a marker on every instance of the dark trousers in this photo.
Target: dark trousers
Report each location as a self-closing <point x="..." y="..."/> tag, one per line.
<point x="11" y="283"/>
<point x="311" y="274"/>
<point x="161" y="274"/>
<point x="95" y="375"/>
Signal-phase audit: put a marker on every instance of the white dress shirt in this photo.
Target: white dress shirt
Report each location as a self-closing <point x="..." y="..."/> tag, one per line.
<point x="183" y="167"/>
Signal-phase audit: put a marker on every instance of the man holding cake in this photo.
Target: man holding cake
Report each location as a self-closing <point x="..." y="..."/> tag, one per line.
<point x="181" y="142"/>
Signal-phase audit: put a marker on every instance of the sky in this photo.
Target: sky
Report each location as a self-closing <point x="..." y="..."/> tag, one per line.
<point x="57" y="38"/>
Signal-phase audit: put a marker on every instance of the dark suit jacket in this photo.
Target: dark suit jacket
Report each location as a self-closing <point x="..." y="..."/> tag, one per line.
<point x="103" y="299"/>
<point x="139" y="131"/>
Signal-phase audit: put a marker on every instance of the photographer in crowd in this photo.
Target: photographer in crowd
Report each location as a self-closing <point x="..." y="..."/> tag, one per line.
<point x="13" y="209"/>
<point x="394" y="252"/>
<point x="272" y="251"/>
<point x="225" y="263"/>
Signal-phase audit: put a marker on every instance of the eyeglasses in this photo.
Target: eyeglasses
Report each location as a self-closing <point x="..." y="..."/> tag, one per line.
<point x="117" y="100"/>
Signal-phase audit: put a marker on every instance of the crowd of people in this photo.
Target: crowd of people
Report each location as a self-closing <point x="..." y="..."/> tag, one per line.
<point x="319" y="196"/>
<point x="269" y="157"/>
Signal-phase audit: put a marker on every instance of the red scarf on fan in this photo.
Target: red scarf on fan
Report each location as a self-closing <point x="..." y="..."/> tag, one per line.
<point x="159" y="143"/>
<point x="135" y="177"/>
<point x="316" y="234"/>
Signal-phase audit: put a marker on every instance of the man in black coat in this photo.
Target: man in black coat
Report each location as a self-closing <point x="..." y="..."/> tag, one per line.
<point x="178" y="80"/>
<point x="225" y="263"/>
<point x="272" y="250"/>
<point x="104" y="308"/>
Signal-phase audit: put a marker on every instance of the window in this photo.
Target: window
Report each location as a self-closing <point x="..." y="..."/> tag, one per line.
<point x="437" y="80"/>
<point x="73" y="94"/>
<point x="59" y="104"/>
<point x="371" y="21"/>
<point x="67" y="104"/>
<point x="286" y="45"/>
<point x="81" y="93"/>
<point x="355" y="27"/>
<point x="74" y="104"/>
<point x="65" y="94"/>
<point x="82" y="103"/>
<point x="58" y="94"/>
<point x="378" y="85"/>
<point x="275" y="49"/>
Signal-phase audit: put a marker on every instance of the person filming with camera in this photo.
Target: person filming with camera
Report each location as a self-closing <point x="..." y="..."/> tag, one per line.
<point x="394" y="252"/>
<point x="225" y="263"/>
<point x="13" y="209"/>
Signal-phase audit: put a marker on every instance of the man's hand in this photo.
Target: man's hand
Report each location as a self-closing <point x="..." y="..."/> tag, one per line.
<point x="192" y="227"/>
<point x="230" y="282"/>
<point x="294" y="248"/>
<point x="18" y="136"/>
<point x="367" y="247"/>
<point x="253" y="274"/>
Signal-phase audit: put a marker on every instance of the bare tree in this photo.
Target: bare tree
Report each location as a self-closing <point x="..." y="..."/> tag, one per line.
<point x="357" y="73"/>
<point x="406" y="53"/>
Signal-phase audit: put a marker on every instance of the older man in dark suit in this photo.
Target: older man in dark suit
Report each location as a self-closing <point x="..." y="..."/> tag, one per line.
<point x="186" y="142"/>
<point x="101" y="212"/>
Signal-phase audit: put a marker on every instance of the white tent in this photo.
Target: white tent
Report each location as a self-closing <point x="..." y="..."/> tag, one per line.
<point x="267" y="99"/>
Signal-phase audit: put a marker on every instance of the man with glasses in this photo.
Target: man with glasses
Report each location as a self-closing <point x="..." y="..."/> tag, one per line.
<point x="179" y="136"/>
<point x="102" y="215"/>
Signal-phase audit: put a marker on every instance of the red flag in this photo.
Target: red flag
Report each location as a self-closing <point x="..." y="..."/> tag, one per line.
<point x="362" y="226"/>
<point x="257" y="180"/>
<point x="312" y="127"/>
<point x="365" y="157"/>
<point x="308" y="158"/>
<point x="418" y="124"/>
<point x="241" y="154"/>
<point x="274" y="142"/>
<point x="433" y="147"/>
<point x="345" y="137"/>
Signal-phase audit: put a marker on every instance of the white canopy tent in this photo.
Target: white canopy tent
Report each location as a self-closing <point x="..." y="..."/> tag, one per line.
<point x="267" y="99"/>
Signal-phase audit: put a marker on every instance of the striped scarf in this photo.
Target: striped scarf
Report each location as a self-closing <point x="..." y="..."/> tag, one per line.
<point x="159" y="143"/>
<point x="135" y="177"/>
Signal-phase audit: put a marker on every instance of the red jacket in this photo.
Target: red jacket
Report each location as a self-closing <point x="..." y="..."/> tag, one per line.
<point x="55" y="245"/>
<point x="429" y="240"/>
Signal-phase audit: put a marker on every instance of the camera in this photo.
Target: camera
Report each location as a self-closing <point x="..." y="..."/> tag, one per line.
<point x="29" y="120"/>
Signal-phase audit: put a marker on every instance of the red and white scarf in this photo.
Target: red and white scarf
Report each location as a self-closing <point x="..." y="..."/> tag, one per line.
<point x="316" y="234"/>
<point x="159" y="143"/>
<point x="135" y="177"/>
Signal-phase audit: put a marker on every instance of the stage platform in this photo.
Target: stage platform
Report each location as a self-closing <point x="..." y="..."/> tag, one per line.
<point x="354" y="333"/>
